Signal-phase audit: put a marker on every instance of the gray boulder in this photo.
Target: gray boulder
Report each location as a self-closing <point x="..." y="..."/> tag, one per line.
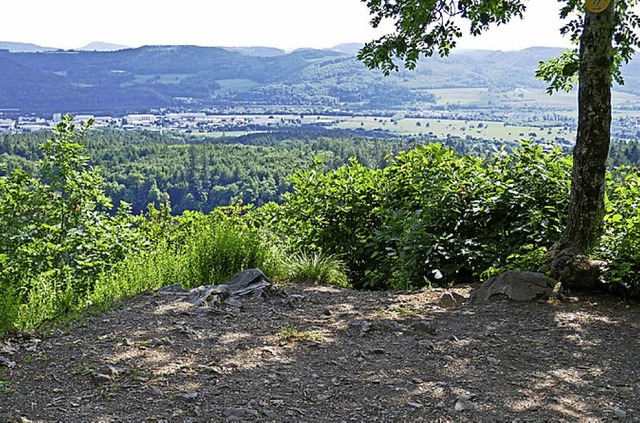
<point x="516" y="286"/>
<point x="251" y="281"/>
<point x="248" y="282"/>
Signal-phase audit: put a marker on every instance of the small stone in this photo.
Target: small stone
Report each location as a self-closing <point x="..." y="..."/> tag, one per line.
<point x="447" y="301"/>
<point x="460" y="299"/>
<point x="270" y="414"/>
<point x="327" y="311"/>
<point x="493" y="360"/>
<point x="154" y="390"/>
<point x="187" y="396"/>
<point x="425" y="327"/>
<point x="426" y="344"/>
<point x="464" y="403"/>
<point x="101" y="377"/>
<point x="111" y="370"/>
<point x="360" y="324"/>
<point x="516" y="286"/>
<point x="620" y="413"/>
<point x="415" y="404"/>
<point x="8" y="349"/>
<point x="239" y="413"/>
<point x="441" y="404"/>
<point x="8" y="363"/>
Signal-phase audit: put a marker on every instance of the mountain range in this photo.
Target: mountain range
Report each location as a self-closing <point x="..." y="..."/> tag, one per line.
<point x="121" y="80"/>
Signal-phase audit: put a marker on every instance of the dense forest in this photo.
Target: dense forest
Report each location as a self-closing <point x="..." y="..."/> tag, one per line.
<point x="200" y="173"/>
<point x="194" y="172"/>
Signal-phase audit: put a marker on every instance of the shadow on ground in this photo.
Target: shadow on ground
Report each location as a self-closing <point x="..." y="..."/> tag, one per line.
<point x="329" y="354"/>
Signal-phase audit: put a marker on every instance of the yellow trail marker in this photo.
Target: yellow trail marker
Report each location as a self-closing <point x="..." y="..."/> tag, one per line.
<point x="597" y="6"/>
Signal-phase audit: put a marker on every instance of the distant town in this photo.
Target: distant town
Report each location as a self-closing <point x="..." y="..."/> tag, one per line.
<point x="187" y="122"/>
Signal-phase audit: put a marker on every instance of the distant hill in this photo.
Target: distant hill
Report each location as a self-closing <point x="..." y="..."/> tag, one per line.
<point x="348" y="48"/>
<point x="257" y="51"/>
<point x="23" y="47"/>
<point x="139" y="79"/>
<point x="100" y="46"/>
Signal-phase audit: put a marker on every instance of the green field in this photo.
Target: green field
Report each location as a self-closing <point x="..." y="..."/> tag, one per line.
<point x="235" y="84"/>
<point x="167" y="78"/>
<point x="442" y="128"/>
<point x="518" y="98"/>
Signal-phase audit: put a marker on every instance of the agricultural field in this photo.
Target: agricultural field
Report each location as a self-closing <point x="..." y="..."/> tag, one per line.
<point x="235" y="84"/>
<point x="443" y="128"/>
<point x="520" y="98"/>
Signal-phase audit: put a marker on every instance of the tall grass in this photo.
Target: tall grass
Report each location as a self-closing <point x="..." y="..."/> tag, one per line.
<point x="215" y="255"/>
<point x="210" y="255"/>
<point x="210" y="251"/>
<point x="316" y="267"/>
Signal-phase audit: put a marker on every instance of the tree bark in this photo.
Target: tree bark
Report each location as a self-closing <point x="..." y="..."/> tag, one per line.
<point x="569" y="261"/>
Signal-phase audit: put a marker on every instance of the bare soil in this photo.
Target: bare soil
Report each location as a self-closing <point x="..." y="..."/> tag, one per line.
<point x="325" y="354"/>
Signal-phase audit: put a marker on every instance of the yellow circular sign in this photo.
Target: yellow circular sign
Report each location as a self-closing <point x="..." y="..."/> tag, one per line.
<point x="597" y="6"/>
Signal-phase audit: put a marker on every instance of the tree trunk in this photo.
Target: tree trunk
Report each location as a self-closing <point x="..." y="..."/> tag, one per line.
<point x="569" y="261"/>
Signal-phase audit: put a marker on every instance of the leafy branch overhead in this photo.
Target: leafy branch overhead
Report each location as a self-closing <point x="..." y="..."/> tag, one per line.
<point x="432" y="27"/>
<point x="429" y="27"/>
<point x="562" y="72"/>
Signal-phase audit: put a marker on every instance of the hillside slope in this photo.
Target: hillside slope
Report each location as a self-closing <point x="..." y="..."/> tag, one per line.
<point x="164" y="76"/>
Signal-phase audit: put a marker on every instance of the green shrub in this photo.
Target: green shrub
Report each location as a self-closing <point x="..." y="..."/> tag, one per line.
<point x="337" y="213"/>
<point x="159" y="266"/>
<point x="9" y="308"/>
<point x="432" y="216"/>
<point x="217" y="251"/>
<point x="316" y="267"/>
<point x="449" y="218"/>
<point x="620" y="244"/>
<point x="56" y="236"/>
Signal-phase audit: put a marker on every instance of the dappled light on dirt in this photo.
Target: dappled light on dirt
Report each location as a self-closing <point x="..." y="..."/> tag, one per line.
<point x="332" y="354"/>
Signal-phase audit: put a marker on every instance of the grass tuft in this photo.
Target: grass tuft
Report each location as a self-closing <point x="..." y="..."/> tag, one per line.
<point x="317" y="268"/>
<point x="289" y="333"/>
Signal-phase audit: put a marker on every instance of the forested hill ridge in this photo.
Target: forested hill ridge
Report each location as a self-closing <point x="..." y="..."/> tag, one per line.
<point x="151" y="77"/>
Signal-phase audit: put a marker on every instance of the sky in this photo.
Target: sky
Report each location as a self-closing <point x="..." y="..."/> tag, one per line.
<point x="286" y="24"/>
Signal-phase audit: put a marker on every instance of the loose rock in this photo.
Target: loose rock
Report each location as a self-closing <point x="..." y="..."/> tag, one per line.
<point x="464" y="403"/>
<point x="516" y="286"/>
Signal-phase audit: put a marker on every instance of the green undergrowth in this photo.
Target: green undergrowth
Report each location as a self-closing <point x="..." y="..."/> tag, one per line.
<point x="437" y="218"/>
<point x="430" y="218"/>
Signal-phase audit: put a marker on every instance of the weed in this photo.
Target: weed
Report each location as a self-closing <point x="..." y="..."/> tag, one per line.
<point x="289" y="333"/>
<point x="83" y="369"/>
<point x="5" y="387"/>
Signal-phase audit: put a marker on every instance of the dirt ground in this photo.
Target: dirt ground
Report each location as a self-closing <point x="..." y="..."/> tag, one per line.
<point x="325" y="354"/>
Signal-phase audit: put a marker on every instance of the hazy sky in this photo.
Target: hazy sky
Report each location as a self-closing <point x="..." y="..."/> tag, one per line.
<point x="287" y="24"/>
